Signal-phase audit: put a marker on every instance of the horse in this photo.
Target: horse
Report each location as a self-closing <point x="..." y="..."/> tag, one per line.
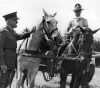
<point x="81" y="47"/>
<point x="46" y="48"/>
<point x="46" y="29"/>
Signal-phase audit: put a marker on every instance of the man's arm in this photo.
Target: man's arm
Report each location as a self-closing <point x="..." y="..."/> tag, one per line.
<point x="69" y="26"/>
<point x="2" y="40"/>
<point x="2" y="60"/>
<point x="24" y="35"/>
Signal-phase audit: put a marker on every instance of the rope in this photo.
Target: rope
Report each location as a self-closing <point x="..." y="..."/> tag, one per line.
<point x="74" y="49"/>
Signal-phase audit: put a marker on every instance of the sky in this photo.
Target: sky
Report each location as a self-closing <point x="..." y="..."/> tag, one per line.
<point x="30" y="12"/>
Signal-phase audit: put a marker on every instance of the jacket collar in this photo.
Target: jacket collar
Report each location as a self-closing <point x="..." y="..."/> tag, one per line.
<point x="78" y="17"/>
<point x="9" y="28"/>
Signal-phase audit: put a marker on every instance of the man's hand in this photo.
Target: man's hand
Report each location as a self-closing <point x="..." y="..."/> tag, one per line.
<point x="33" y="29"/>
<point x="26" y="30"/>
<point x="4" y="68"/>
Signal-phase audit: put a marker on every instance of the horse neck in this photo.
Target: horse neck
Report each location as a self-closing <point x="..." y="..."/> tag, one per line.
<point x="35" y="39"/>
<point x="85" y="47"/>
<point x="72" y="47"/>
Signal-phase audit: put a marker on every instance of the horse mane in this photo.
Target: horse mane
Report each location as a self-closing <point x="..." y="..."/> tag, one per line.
<point x="40" y="26"/>
<point x="81" y="42"/>
<point x="85" y="44"/>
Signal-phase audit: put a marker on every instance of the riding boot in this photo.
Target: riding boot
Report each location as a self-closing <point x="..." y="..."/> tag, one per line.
<point x="11" y="73"/>
<point x="3" y="80"/>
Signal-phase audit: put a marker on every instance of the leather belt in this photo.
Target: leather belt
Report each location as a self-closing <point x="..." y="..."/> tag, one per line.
<point x="32" y="52"/>
<point x="10" y="49"/>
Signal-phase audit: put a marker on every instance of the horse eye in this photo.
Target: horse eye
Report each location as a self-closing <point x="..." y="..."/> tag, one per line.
<point x="48" y="22"/>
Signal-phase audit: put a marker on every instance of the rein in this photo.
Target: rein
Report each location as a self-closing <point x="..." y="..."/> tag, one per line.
<point x="48" y="34"/>
<point x="26" y="41"/>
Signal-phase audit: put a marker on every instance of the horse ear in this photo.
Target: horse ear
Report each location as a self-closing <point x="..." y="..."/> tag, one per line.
<point x="82" y="30"/>
<point x="54" y="14"/>
<point x="45" y="13"/>
<point x="43" y="17"/>
<point x="93" y="32"/>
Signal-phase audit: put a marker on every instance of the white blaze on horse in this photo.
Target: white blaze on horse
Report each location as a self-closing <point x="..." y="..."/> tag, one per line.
<point x="47" y="28"/>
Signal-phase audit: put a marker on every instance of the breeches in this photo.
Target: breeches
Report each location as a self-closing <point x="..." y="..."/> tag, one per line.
<point x="6" y="78"/>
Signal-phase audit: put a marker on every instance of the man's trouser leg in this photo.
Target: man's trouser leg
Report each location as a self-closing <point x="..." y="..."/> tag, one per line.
<point x="11" y="73"/>
<point x="3" y="80"/>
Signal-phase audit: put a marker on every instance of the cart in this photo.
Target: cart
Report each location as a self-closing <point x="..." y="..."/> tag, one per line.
<point x="48" y="65"/>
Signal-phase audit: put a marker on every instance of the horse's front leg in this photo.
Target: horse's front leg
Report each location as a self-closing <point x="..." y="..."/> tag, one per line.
<point x="75" y="82"/>
<point x="32" y="72"/>
<point x="63" y="77"/>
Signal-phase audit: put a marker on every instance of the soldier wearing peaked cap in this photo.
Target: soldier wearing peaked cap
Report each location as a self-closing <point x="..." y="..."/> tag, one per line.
<point x="8" y="45"/>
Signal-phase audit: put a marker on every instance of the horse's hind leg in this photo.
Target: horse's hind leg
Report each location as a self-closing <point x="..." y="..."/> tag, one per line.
<point x="19" y="76"/>
<point x="24" y="76"/>
<point x="63" y="77"/>
<point x="19" y="80"/>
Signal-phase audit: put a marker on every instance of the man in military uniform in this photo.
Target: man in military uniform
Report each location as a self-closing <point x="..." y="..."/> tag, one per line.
<point x="78" y="20"/>
<point x="73" y="25"/>
<point x="8" y="45"/>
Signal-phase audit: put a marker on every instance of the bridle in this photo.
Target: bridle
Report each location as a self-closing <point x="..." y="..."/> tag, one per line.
<point x="45" y="34"/>
<point x="45" y="26"/>
<point x="78" y="52"/>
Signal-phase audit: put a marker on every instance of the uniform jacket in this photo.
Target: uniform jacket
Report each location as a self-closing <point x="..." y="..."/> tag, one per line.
<point x="78" y="21"/>
<point x="8" y="46"/>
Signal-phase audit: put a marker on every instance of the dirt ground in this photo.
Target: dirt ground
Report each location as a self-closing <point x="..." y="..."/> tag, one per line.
<point x="54" y="83"/>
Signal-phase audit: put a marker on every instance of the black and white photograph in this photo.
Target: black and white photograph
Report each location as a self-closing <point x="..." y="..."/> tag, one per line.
<point x="49" y="44"/>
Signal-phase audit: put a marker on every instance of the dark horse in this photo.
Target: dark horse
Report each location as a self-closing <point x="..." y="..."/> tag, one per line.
<point x="81" y="47"/>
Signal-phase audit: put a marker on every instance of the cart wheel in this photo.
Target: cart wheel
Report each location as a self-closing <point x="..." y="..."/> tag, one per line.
<point x="47" y="76"/>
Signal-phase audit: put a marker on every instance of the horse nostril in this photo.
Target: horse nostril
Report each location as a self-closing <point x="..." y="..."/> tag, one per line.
<point x="56" y="28"/>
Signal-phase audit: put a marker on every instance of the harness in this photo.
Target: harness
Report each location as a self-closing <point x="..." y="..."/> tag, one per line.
<point x="46" y="35"/>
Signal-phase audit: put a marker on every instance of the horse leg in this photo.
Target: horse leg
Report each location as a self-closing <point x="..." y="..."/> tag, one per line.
<point x="63" y="77"/>
<point x="74" y="82"/>
<point x="87" y="76"/>
<point x="32" y="72"/>
<point x="24" y="77"/>
<point x="19" y="76"/>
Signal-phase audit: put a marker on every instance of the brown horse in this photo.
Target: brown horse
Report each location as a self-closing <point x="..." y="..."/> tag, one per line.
<point x="81" y="47"/>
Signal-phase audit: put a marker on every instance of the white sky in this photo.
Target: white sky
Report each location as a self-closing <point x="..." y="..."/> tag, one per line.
<point x="30" y="12"/>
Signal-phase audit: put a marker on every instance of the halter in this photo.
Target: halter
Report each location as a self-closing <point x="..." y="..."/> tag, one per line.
<point x="47" y="34"/>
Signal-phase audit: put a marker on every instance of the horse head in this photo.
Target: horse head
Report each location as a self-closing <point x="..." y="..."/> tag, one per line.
<point x="82" y="41"/>
<point x="86" y="40"/>
<point x="50" y="26"/>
